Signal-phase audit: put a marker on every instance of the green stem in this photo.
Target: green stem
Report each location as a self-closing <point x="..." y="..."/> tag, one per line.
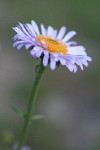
<point x="31" y="104"/>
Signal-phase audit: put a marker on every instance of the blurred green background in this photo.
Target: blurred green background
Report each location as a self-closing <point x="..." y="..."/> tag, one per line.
<point x="70" y="102"/>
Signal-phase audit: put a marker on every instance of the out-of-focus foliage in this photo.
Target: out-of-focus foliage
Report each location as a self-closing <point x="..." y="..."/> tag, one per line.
<point x="70" y="102"/>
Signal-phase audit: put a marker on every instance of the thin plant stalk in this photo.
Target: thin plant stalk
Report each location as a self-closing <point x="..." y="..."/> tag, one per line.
<point x="32" y="100"/>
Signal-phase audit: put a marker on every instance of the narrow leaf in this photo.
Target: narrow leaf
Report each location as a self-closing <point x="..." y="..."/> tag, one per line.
<point x="18" y="111"/>
<point x="37" y="117"/>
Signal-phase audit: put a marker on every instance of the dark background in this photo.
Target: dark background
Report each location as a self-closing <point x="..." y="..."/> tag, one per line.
<point x="70" y="102"/>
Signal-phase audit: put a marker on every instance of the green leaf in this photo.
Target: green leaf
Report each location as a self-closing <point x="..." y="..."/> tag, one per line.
<point x="18" y="111"/>
<point x="37" y="117"/>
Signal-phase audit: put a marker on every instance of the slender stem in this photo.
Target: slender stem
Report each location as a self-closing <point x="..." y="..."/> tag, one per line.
<point x="31" y="104"/>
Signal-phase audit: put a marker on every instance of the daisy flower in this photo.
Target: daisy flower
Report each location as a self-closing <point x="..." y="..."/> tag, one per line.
<point x="52" y="46"/>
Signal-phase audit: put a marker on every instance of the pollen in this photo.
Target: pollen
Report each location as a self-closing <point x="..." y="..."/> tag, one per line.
<point x="52" y="45"/>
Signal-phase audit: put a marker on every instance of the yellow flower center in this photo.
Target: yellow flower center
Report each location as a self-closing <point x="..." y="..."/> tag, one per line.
<point x="52" y="44"/>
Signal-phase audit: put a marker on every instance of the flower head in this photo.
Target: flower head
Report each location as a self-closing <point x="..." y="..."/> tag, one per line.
<point x="51" y="46"/>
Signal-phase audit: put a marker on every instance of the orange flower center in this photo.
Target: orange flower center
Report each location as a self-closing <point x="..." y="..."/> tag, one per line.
<point x="52" y="44"/>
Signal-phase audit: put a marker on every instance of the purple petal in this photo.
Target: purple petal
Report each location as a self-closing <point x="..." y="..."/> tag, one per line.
<point x="71" y="43"/>
<point x="52" y="63"/>
<point x="45" y="60"/>
<point x="68" y="36"/>
<point x="54" y="34"/>
<point x="49" y="31"/>
<point x="44" y="32"/>
<point x="61" y="33"/>
<point x="76" y="50"/>
<point x="62" y="61"/>
<point x="38" y="54"/>
<point x="27" y="46"/>
<point x="69" y="66"/>
<point x="20" y="46"/>
<point x="30" y="30"/>
<point x="35" y="26"/>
